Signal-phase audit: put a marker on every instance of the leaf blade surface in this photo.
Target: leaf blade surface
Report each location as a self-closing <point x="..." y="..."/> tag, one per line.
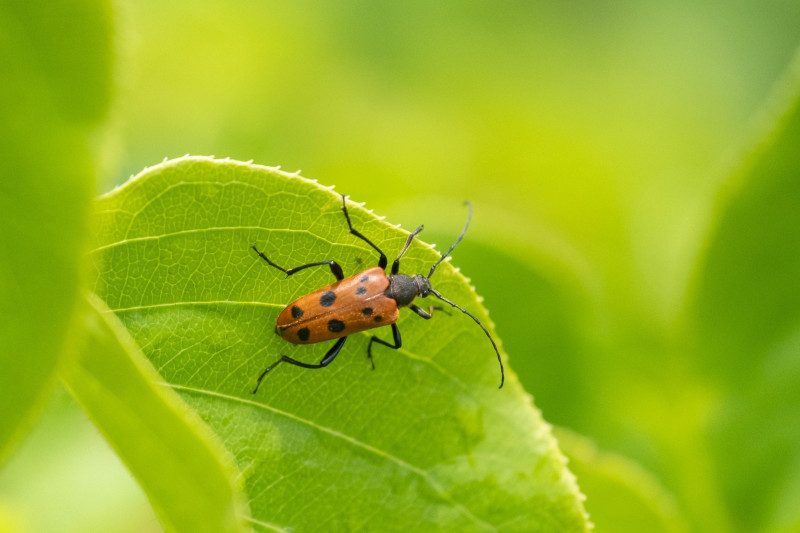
<point x="425" y="441"/>
<point x="176" y="459"/>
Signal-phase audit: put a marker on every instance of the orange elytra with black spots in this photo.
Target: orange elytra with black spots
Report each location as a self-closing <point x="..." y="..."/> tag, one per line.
<point x="365" y="301"/>
<point x="348" y="306"/>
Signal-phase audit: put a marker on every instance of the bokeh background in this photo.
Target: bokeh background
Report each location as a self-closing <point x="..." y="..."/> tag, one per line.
<point x="593" y="138"/>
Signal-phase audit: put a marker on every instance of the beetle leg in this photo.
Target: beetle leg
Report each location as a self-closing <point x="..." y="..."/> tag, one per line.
<point x="396" y="346"/>
<point x="382" y="261"/>
<point x="429" y="313"/>
<point x="335" y="268"/>
<point x="332" y="353"/>
<point x="326" y="360"/>
<point x="421" y="312"/>
<point x="396" y="264"/>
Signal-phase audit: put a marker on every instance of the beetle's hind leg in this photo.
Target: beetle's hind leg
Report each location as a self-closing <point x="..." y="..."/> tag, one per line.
<point x="335" y="268"/>
<point x="398" y="342"/>
<point x="382" y="262"/>
<point x="326" y="360"/>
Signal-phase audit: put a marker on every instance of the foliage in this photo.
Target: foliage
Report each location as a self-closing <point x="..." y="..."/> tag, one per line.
<point x="43" y="200"/>
<point x="638" y="266"/>
<point x="181" y="466"/>
<point x="425" y="441"/>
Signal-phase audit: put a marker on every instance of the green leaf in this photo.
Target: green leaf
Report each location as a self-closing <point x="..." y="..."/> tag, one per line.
<point x="424" y="442"/>
<point x="187" y="474"/>
<point x="747" y="298"/>
<point x="621" y="495"/>
<point x="746" y="314"/>
<point x="54" y="58"/>
<point x="10" y="521"/>
<point x="65" y="455"/>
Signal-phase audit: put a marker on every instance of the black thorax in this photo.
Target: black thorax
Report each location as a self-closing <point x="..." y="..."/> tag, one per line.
<point x="403" y="289"/>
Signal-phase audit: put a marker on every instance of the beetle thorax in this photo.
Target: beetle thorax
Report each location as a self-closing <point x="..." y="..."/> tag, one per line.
<point x="403" y="289"/>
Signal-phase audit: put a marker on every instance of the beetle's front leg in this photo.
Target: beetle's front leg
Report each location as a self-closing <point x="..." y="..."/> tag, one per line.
<point x="429" y="313"/>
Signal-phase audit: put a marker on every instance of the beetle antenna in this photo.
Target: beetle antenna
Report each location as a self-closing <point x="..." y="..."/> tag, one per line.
<point x="442" y="298"/>
<point x="469" y="217"/>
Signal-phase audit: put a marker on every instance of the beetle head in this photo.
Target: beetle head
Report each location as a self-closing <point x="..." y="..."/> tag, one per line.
<point x="423" y="285"/>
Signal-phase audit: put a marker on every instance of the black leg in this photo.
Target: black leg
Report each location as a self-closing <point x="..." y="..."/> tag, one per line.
<point x="326" y="360"/>
<point x="382" y="261"/>
<point x="397" y="343"/>
<point x="332" y="353"/>
<point x="335" y="268"/>
<point x="396" y="264"/>
<point x="421" y="312"/>
<point x="429" y="313"/>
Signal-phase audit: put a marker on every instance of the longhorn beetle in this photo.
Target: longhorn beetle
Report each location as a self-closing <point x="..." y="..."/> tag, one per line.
<point x="367" y="300"/>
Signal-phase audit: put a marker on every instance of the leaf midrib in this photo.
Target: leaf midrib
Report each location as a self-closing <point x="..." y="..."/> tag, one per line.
<point x="403" y="351"/>
<point x="440" y="491"/>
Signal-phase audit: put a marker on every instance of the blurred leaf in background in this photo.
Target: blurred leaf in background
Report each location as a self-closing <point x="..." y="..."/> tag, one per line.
<point x="56" y="72"/>
<point x="623" y="496"/>
<point x="618" y="237"/>
<point x="56" y="67"/>
<point x="746" y="321"/>
<point x="64" y="478"/>
<point x="52" y="98"/>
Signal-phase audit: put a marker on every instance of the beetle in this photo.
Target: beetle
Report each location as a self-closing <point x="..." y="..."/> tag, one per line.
<point x="369" y="299"/>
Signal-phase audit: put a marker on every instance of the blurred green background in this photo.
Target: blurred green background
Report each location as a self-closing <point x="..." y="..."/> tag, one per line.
<point x="599" y="143"/>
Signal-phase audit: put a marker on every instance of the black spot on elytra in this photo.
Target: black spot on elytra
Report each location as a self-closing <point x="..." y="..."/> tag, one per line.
<point x="378" y="318"/>
<point x="303" y="334"/>
<point x="367" y="311"/>
<point x="327" y="299"/>
<point x="361" y="291"/>
<point x="335" y="326"/>
<point x="297" y="312"/>
<point x="364" y="279"/>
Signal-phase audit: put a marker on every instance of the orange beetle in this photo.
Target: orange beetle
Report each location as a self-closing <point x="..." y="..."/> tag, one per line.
<point x="367" y="300"/>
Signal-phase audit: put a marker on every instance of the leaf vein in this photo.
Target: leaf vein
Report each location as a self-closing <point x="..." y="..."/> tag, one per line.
<point x="265" y="525"/>
<point x="348" y="439"/>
